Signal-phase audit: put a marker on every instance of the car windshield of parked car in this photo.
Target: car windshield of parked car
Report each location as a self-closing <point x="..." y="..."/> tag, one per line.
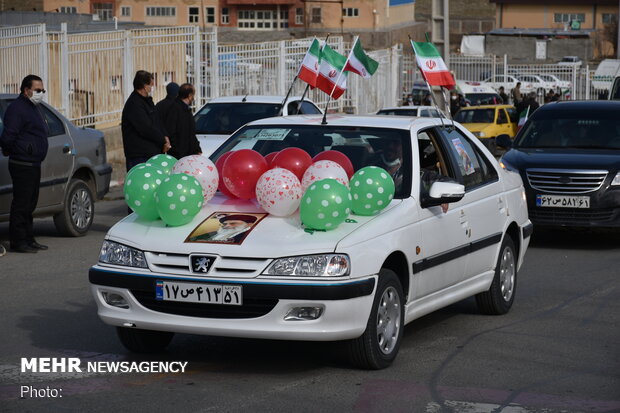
<point x="364" y="146"/>
<point x="399" y="112"/>
<point x="561" y="130"/>
<point x="225" y="118"/>
<point x="475" y="116"/>
<point x="482" y="98"/>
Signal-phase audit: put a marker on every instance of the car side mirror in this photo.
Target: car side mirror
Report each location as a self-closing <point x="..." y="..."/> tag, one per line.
<point x="443" y="193"/>
<point x="503" y="141"/>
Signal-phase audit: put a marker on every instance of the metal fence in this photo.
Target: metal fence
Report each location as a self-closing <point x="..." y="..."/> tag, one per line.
<point x="89" y="75"/>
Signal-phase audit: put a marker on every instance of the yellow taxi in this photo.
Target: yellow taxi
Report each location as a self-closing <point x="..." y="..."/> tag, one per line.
<point x="487" y="122"/>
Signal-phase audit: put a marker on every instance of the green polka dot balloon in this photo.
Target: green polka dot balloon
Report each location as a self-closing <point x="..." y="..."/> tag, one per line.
<point x="163" y="162"/>
<point x="372" y="189"/>
<point x="178" y="199"/>
<point x="325" y="205"/>
<point x="141" y="183"/>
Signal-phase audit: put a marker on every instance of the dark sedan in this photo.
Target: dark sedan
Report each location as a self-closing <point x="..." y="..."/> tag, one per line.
<point x="568" y="155"/>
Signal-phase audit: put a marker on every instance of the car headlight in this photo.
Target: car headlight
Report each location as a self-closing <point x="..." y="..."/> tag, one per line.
<point x="616" y="180"/>
<point x="481" y="134"/>
<point x="323" y="265"/>
<point x="119" y="254"/>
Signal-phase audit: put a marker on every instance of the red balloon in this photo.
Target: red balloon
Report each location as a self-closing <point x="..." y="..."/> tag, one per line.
<point x="241" y="172"/>
<point x="338" y="157"/>
<point x="269" y="158"/>
<point x="294" y="159"/>
<point x="220" y="170"/>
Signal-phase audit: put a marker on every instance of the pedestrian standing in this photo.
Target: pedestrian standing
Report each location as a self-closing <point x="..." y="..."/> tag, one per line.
<point x="24" y="140"/>
<point x="503" y="95"/>
<point x="143" y="133"/>
<point x="456" y="103"/>
<point x="180" y="124"/>
<point x="516" y="94"/>
<point x="163" y="106"/>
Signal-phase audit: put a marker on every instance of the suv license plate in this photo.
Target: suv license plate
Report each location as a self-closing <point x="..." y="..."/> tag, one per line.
<point x="198" y="293"/>
<point x="562" y="201"/>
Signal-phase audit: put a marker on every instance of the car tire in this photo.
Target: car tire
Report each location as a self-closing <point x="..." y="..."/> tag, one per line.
<point x="375" y="349"/>
<point x="78" y="210"/>
<point x="499" y="297"/>
<point x="144" y="341"/>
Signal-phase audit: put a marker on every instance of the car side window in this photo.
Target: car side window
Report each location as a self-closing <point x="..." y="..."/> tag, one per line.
<point x="435" y="165"/>
<point x="512" y="114"/>
<point x="306" y="108"/>
<point x="54" y="124"/>
<point x="463" y="153"/>
<point x="425" y="113"/>
<point x="501" y="116"/>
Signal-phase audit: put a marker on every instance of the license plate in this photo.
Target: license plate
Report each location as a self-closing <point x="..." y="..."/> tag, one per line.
<point x="562" y="201"/>
<point x="198" y="293"/>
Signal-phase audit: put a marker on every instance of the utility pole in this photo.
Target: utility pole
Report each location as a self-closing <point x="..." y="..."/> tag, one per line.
<point x="440" y="28"/>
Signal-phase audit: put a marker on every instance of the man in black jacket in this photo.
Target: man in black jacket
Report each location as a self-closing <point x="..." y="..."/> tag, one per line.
<point x="179" y="122"/>
<point x="143" y="133"/>
<point x="24" y="140"/>
<point x="163" y="106"/>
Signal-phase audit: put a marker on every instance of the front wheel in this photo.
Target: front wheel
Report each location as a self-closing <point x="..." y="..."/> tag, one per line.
<point x="499" y="297"/>
<point x="144" y="341"/>
<point x="378" y="346"/>
<point x="78" y="211"/>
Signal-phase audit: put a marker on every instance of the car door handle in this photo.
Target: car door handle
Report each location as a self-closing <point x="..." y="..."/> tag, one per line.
<point x="66" y="149"/>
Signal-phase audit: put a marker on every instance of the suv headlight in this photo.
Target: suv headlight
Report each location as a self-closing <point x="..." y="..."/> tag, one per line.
<point x="616" y="180"/>
<point x="323" y="265"/>
<point x="119" y="254"/>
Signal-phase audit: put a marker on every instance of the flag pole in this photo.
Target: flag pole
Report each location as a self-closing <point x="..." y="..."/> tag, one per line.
<point x="303" y="96"/>
<point x="324" y="121"/>
<point x="426" y="81"/>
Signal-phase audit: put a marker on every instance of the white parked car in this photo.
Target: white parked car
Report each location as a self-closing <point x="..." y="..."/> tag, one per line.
<point x="422" y="111"/>
<point x="220" y="117"/>
<point x="557" y="84"/>
<point x="536" y="83"/>
<point x="456" y="227"/>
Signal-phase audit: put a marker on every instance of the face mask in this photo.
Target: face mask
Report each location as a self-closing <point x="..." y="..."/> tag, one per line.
<point x="453" y="97"/>
<point x="390" y="163"/>
<point x="36" y="98"/>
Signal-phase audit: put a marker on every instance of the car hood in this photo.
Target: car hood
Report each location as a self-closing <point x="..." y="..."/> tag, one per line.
<point x="476" y="127"/>
<point x="209" y="143"/>
<point x="271" y="237"/>
<point x="523" y="158"/>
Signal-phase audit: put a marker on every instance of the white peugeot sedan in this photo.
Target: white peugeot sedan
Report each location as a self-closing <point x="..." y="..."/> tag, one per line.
<point x="456" y="227"/>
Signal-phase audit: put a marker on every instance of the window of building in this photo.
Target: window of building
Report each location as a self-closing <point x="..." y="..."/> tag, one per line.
<point x="261" y="19"/>
<point x="299" y="16"/>
<point x="350" y="12"/>
<point x="161" y="11"/>
<point x="225" y="16"/>
<point x="194" y="14"/>
<point x="125" y="11"/>
<point x="105" y="11"/>
<point x="609" y="18"/>
<point x="569" y="17"/>
<point x="68" y="9"/>
<point x="316" y="15"/>
<point x="283" y="19"/>
<point x="210" y="14"/>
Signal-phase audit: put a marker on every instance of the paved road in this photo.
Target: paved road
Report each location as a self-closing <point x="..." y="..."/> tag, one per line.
<point x="558" y="350"/>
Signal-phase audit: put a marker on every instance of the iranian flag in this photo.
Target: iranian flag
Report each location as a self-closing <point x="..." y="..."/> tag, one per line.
<point x="332" y="80"/>
<point x="431" y="64"/>
<point x="359" y="62"/>
<point x="523" y="117"/>
<point x="309" y="70"/>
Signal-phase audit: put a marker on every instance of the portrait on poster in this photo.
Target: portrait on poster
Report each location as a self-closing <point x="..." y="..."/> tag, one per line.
<point x="225" y="227"/>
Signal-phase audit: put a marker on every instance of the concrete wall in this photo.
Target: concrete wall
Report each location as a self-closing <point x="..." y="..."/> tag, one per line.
<point x="523" y="49"/>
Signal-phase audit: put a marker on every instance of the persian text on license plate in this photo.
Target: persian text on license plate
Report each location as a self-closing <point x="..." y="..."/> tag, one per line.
<point x="562" y="201"/>
<point x="198" y="293"/>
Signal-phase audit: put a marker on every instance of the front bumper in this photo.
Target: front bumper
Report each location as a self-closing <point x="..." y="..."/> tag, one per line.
<point x="346" y="307"/>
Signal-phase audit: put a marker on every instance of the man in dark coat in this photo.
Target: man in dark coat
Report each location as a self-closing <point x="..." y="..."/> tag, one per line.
<point x="529" y="101"/>
<point x="180" y="124"/>
<point x="163" y="106"/>
<point x="24" y="140"/>
<point x="143" y="132"/>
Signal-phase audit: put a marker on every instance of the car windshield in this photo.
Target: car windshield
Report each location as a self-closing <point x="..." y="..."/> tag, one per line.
<point x="399" y="112"/>
<point x="482" y="98"/>
<point x="583" y="131"/>
<point x="225" y="118"/>
<point x="364" y="146"/>
<point x="475" y="116"/>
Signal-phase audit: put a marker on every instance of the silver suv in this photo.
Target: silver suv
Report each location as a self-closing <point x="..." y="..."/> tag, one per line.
<point x="74" y="172"/>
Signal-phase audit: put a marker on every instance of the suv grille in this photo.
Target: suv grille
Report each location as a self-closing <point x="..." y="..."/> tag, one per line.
<point x="570" y="216"/>
<point x="566" y="181"/>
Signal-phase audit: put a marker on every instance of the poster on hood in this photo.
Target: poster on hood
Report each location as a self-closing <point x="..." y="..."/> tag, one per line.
<point x="225" y="227"/>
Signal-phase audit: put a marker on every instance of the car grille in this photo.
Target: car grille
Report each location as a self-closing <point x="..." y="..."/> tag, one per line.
<point x="572" y="216"/>
<point x="228" y="267"/>
<point x="251" y="308"/>
<point x="566" y="181"/>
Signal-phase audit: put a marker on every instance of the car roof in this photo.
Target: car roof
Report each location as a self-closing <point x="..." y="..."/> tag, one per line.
<point x="578" y="105"/>
<point x="8" y="95"/>
<point x="487" y="107"/>
<point x="254" y="99"/>
<point x="394" y="122"/>
<point x="407" y="108"/>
